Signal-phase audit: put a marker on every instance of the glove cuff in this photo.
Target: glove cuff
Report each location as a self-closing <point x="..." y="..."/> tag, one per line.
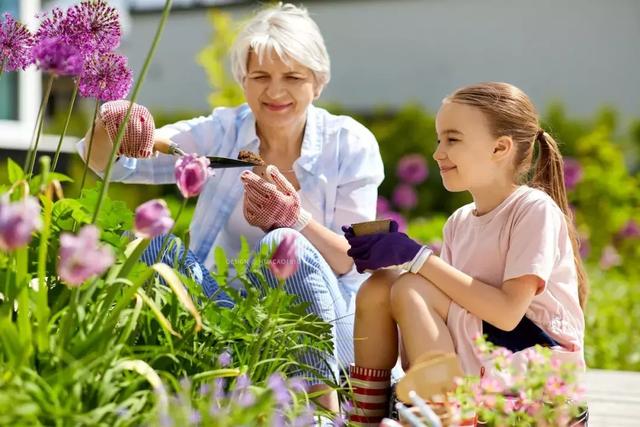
<point x="303" y="220"/>
<point x="421" y="257"/>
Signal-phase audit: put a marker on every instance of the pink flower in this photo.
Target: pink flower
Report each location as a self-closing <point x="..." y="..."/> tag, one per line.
<point x="15" y="44"/>
<point x="284" y="261"/>
<point x="555" y="386"/>
<point x="397" y="217"/>
<point x="382" y="206"/>
<point x="630" y="230"/>
<point x="572" y="173"/>
<point x="405" y="196"/>
<point x="610" y="258"/>
<point x="18" y="221"/>
<point x="412" y="169"/>
<point x="153" y="219"/>
<point x="82" y="256"/>
<point x="533" y="356"/>
<point x="191" y="174"/>
<point x="491" y="385"/>
<point x="584" y="246"/>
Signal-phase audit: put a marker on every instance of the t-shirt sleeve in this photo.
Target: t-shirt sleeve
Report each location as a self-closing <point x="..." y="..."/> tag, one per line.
<point x="533" y="242"/>
<point x="445" y="251"/>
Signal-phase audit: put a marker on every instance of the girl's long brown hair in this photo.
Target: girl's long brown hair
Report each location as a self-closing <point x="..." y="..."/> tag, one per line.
<point x="510" y="112"/>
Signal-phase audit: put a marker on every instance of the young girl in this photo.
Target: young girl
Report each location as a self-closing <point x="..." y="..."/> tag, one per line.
<point x="509" y="266"/>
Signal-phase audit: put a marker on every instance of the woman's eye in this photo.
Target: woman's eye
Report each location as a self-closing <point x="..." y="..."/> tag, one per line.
<point x="293" y="78"/>
<point x="259" y="77"/>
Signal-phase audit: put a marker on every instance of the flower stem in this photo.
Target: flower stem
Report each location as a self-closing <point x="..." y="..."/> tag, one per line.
<point x="74" y="95"/>
<point x="4" y="61"/>
<point x="42" y="303"/>
<point x="93" y="131"/>
<point x="116" y="145"/>
<point x="39" y="122"/>
<point x="165" y="241"/>
<point x="22" y="280"/>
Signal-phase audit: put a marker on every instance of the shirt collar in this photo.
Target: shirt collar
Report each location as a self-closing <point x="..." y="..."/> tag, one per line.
<point x="311" y="143"/>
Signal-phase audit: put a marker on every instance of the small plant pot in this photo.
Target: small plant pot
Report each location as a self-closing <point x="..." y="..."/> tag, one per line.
<point x="371" y="227"/>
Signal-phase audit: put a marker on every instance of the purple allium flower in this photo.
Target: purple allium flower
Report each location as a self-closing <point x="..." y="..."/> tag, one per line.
<point x="242" y="395"/>
<point x="436" y="247"/>
<point x="280" y="391"/>
<point x="95" y="26"/>
<point x="382" y="205"/>
<point x="225" y="359"/>
<point x="152" y="219"/>
<point x="405" y="196"/>
<point x="82" y="256"/>
<point x="572" y="173"/>
<point x="18" y="221"/>
<point x="584" y="246"/>
<point x="630" y="230"/>
<point x="306" y="417"/>
<point x="57" y="57"/>
<point x="298" y="384"/>
<point x="284" y="262"/>
<point x="610" y="258"/>
<point x="105" y="77"/>
<point x="278" y="419"/>
<point x="397" y="217"/>
<point x="15" y="44"/>
<point x="412" y="169"/>
<point x="191" y="174"/>
<point x="195" y="417"/>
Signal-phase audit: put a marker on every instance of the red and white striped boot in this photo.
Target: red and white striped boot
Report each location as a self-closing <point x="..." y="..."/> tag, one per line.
<point x="371" y="395"/>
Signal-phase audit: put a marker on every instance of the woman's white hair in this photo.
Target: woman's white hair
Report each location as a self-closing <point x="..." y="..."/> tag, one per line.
<point x="288" y="31"/>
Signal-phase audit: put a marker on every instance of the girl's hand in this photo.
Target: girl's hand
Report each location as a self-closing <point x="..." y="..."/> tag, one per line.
<point x="274" y="204"/>
<point x="379" y="250"/>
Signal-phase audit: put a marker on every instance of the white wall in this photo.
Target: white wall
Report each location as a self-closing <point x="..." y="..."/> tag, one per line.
<point x="583" y="52"/>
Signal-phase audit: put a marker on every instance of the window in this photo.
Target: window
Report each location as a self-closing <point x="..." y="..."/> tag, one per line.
<point x="19" y="91"/>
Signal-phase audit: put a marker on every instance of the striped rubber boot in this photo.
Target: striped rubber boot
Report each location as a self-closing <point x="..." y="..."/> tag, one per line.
<point x="370" y="395"/>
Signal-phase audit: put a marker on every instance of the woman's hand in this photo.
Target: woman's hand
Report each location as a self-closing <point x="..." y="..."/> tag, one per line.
<point x="379" y="250"/>
<point x="137" y="140"/>
<point x="274" y="203"/>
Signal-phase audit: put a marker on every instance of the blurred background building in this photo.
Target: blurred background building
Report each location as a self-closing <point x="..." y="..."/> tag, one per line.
<point x="384" y="53"/>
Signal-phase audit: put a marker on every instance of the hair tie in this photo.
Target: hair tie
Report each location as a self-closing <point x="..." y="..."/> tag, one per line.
<point x="539" y="134"/>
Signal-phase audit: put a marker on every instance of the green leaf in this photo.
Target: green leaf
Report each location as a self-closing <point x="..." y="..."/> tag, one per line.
<point x="51" y="176"/>
<point x="221" y="264"/>
<point x="14" y="170"/>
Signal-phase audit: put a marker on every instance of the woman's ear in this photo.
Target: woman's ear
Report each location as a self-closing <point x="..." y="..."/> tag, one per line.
<point x="503" y="147"/>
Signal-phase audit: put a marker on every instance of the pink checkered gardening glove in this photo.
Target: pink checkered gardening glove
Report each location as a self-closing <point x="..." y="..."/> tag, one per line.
<point x="272" y="203"/>
<point x="137" y="140"/>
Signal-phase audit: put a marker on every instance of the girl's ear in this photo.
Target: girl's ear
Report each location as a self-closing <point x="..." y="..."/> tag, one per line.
<point x="502" y="148"/>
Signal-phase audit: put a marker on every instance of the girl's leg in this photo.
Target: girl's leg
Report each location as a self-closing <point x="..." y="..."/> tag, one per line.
<point x="420" y="309"/>
<point x="315" y="283"/>
<point x="376" y="349"/>
<point x="188" y="265"/>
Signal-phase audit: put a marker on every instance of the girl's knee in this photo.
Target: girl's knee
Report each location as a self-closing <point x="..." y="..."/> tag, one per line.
<point x="374" y="292"/>
<point x="411" y="290"/>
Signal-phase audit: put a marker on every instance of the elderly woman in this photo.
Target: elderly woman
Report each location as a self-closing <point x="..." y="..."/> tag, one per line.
<point x="326" y="170"/>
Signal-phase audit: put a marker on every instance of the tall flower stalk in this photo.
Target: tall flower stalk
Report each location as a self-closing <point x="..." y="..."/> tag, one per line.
<point x="74" y="95"/>
<point x="143" y="72"/>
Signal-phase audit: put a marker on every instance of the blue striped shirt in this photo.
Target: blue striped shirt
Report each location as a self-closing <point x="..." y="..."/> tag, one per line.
<point x="339" y="167"/>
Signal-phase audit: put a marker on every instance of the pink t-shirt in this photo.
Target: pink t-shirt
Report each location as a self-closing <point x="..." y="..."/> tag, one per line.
<point x="525" y="234"/>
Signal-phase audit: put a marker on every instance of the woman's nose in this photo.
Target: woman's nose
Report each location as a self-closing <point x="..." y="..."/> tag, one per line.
<point x="274" y="89"/>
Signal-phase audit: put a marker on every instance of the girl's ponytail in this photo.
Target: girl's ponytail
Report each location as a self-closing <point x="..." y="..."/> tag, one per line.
<point x="548" y="175"/>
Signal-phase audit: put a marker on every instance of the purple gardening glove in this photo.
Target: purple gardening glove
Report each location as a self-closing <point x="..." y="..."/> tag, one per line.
<point x="379" y="250"/>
